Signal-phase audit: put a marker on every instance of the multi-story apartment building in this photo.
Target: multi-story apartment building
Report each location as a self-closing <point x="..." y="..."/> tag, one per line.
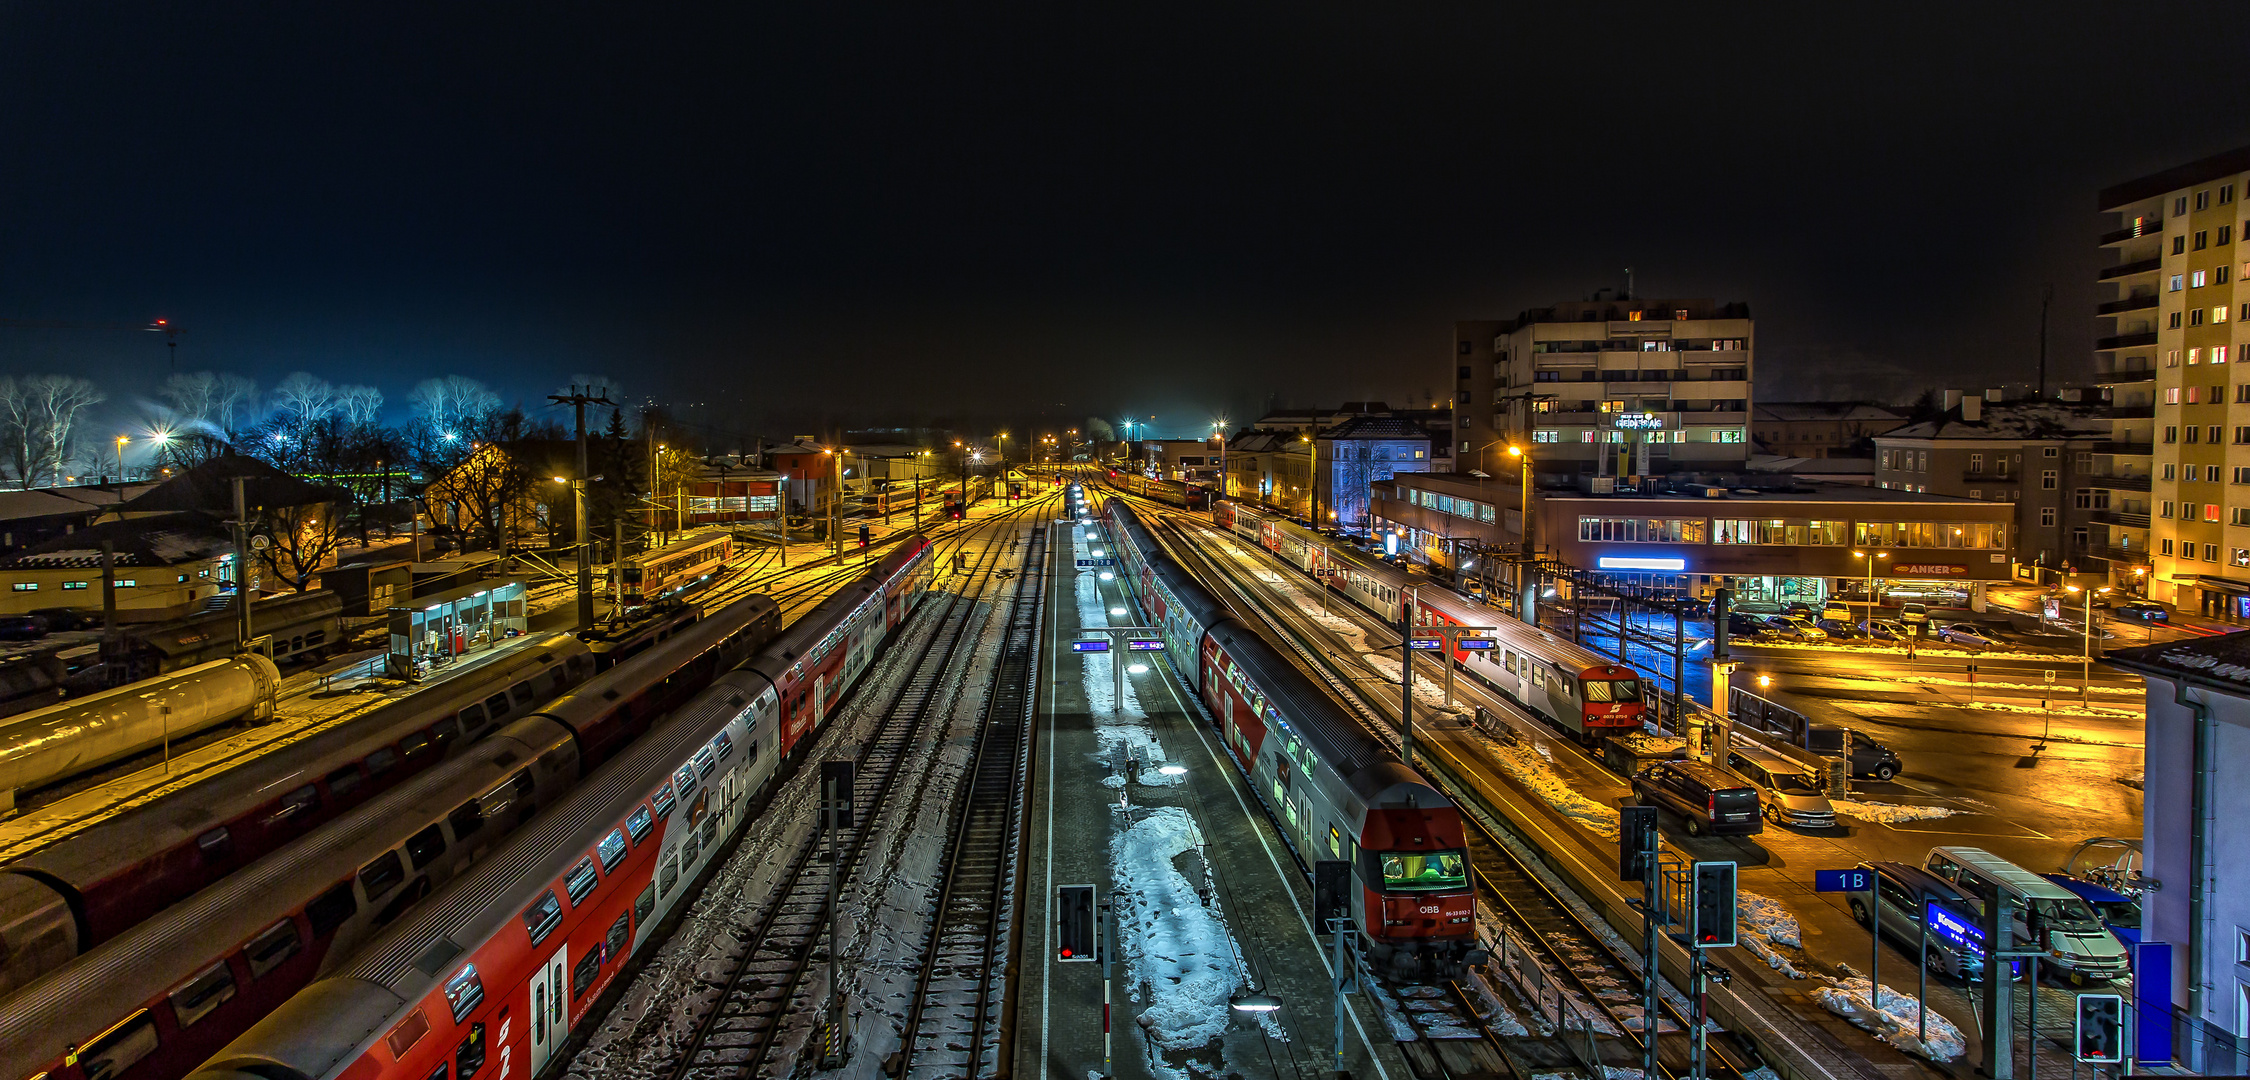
<point x="1819" y="429"/>
<point x="1610" y="385"/>
<point x="2166" y="355"/>
<point x="2037" y="455"/>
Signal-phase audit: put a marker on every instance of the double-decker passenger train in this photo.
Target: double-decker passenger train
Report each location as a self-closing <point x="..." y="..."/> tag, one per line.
<point x="1566" y="684"/>
<point x="666" y="571"/>
<point x="1184" y="496"/>
<point x="1336" y="791"/>
<point x="152" y="996"/>
<point x="487" y="977"/>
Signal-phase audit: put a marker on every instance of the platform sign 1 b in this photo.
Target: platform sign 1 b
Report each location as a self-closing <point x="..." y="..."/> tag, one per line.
<point x="1855" y="880"/>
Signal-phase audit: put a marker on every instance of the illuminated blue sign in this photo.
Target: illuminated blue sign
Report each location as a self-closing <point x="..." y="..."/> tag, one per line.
<point x="1430" y="643"/>
<point x="1089" y="646"/>
<point x="1944" y="923"/>
<point x="1623" y="562"/>
<point x="1475" y="643"/>
<point x="1144" y="644"/>
<point x="1855" y="880"/>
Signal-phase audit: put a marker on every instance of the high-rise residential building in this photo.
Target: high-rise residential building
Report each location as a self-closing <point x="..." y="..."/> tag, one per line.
<point x="2165" y="352"/>
<point x="1611" y="385"/>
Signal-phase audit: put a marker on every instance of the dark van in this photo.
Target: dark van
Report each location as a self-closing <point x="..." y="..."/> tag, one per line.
<point x="1710" y="800"/>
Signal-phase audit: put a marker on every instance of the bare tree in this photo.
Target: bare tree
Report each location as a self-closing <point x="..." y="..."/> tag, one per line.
<point x="360" y="406"/>
<point x="191" y="395"/>
<point x="234" y="402"/>
<point x="450" y="402"/>
<point x="38" y="417"/>
<point x="305" y="398"/>
<point x="305" y="539"/>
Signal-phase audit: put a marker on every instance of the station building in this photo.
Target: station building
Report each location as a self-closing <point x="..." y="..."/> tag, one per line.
<point x="1792" y="543"/>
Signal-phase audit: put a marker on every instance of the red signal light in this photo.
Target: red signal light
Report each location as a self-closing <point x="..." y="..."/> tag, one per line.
<point x="1066" y="953"/>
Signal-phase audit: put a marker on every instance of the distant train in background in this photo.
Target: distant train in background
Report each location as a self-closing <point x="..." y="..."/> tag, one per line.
<point x="1184" y="496"/>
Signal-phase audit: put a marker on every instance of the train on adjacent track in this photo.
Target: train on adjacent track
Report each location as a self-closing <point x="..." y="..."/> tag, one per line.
<point x="667" y="571"/>
<point x="1566" y="684"/>
<point x="371" y="817"/>
<point x="1335" y="792"/>
<point x="1172" y="492"/>
<point x="491" y="974"/>
<point x="73" y="736"/>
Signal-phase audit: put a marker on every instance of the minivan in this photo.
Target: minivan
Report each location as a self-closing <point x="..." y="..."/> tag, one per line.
<point x="1902" y="894"/>
<point x="2077" y="943"/>
<point x="1790" y="793"/>
<point x="1709" y="799"/>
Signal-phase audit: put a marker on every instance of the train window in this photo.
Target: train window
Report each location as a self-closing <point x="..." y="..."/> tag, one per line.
<point x="314" y="638"/>
<point x="463" y="993"/>
<point x="206" y="990"/>
<point x="705" y="761"/>
<point x="119" y="1048"/>
<point x="582" y="977"/>
<point x="216" y="845"/>
<point x="685" y="779"/>
<point x="710" y="830"/>
<point x="472" y="720"/>
<point x="521" y="693"/>
<point x="266" y="951"/>
<point x="725" y="745"/>
<point x="424" y="847"/>
<point x="382" y="875"/>
<point x="640" y="824"/>
<point x="466" y="819"/>
<point x="296" y="804"/>
<point x="555" y="678"/>
<point x="581" y="881"/>
<point x="329" y="910"/>
<point x="344" y="781"/>
<point x="469" y="1056"/>
<point x="497" y="705"/>
<point x="381" y="761"/>
<point x="644" y="905"/>
<point x="612" y="849"/>
<point x="668" y="870"/>
<point x="688" y="849"/>
<point x="753" y="751"/>
<point x="663" y="802"/>
<point x="414" y="746"/>
<point x="542" y="918"/>
<point x="408" y="1032"/>
<point x="1335" y="842"/>
<point x="444" y="1068"/>
<point x="620" y="935"/>
<point x="444" y="732"/>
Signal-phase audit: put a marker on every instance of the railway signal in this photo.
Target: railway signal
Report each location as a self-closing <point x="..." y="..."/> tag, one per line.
<point x="1636" y="842"/>
<point x="2100" y="1034"/>
<point x="1714" y="906"/>
<point x="1075" y="924"/>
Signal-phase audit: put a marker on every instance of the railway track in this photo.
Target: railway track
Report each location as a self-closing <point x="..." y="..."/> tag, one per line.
<point x="957" y="992"/>
<point x="736" y="1038"/>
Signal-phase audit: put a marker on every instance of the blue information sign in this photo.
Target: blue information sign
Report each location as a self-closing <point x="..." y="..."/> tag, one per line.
<point x="1143" y="644"/>
<point x="1431" y="644"/>
<point x="1475" y="643"/>
<point x="1097" y="562"/>
<point x="1089" y="646"/>
<point x="1855" y="880"/>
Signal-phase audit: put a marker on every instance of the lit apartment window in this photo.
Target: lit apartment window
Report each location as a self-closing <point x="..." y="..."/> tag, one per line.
<point x="25" y="586"/>
<point x="2171" y="397"/>
<point x="2242" y="556"/>
<point x="2173" y="285"/>
<point x="2211" y="515"/>
<point x="2219" y="352"/>
<point x="2196" y="280"/>
<point x="2219" y="314"/>
<point x="1549" y="435"/>
<point x="69" y="585"/>
<point x="1630" y="316"/>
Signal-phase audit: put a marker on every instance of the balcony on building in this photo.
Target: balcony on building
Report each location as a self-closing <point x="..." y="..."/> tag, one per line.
<point x="2142" y="302"/>
<point x="2125" y="341"/>
<point x="2126" y="270"/>
<point x="1990" y="476"/>
<point x="2118" y="517"/>
<point x="2139" y="371"/>
<point x="2118" y="481"/>
<point x="2134" y="231"/>
<point x="2125" y="449"/>
<point x="2132" y="412"/>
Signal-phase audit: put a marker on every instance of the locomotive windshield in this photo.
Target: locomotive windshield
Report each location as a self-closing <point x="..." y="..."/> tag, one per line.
<point x="1424" y="870"/>
<point x="1628" y="690"/>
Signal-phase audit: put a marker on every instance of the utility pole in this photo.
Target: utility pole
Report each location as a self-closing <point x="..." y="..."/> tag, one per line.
<point x="2046" y="300"/>
<point x="1406" y="682"/>
<point x="836" y="508"/>
<point x="578" y="402"/>
<point x="241" y="525"/>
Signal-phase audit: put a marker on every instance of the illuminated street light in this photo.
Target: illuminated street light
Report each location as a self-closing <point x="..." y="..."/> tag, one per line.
<point x="1172" y="770"/>
<point x="1245" y="1001"/>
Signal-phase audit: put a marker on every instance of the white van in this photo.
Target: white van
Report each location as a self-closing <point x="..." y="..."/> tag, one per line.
<point x="2076" y="941"/>
<point x="1791" y="792"/>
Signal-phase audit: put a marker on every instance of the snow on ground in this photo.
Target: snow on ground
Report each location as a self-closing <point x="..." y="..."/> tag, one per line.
<point x="1764" y="923"/>
<point x="1988" y="684"/>
<point x="2108" y="712"/>
<point x="1889" y="813"/>
<point x="1895" y="1019"/>
<point x="1180" y="959"/>
<point x="1533" y="766"/>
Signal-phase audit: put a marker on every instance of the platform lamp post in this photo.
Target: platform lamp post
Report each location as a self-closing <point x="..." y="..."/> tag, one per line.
<point x="2086" y="666"/>
<point x="1871" y="560"/>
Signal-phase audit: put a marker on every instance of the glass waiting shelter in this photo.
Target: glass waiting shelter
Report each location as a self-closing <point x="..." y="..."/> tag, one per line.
<point x="434" y="630"/>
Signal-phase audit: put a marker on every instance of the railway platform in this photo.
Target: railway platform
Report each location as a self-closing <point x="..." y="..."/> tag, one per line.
<point x="1135" y="797"/>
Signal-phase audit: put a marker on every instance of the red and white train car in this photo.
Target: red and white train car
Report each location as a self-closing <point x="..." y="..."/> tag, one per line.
<point x="1565" y="683"/>
<point x="488" y="978"/>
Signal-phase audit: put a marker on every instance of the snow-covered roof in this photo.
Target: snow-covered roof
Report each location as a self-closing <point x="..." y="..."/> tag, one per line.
<point x="2223" y="661"/>
<point x="2015" y="420"/>
<point x="1856" y="411"/>
<point x="151" y="541"/>
<point x="1377" y="427"/>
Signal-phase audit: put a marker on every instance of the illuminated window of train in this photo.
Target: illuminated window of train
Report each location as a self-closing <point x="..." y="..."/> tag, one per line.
<point x="204" y="991"/>
<point x="1335" y="842"/>
<point x="640" y="824"/>
<point x="344" y="781"/>
<point x="541" y="918"/>
<point x="725" y="745"/>
<point x="382" y="875"/>
<point x="668" y="871"/>
<point x="705" y="761"/>
<point x="381" y="761"/>
<point x="663" y="802"/>
<point x="275" y="944"/>
<point x="582" y="976"/>
<point x="645" y="904"/>
<point x="329" y="910"/>
<point x="119" y="1048"/>
<point x="685" y="779"/>
<point x="469" y="1056"/>
<point x="581" y="881"/>
<point x="620" y="935"/>
<point x="1613" y="690"/>
<point x="424" y="847"/>
<point x="612" y="849"/>
<point x="1423" y="870"/>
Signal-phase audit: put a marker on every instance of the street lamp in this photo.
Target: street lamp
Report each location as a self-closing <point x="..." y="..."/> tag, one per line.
<point x="1871" y="560"/>
<point x="2086" y="666"/>
<point x="121" y="440"/>
<point x="1519" y="452"/>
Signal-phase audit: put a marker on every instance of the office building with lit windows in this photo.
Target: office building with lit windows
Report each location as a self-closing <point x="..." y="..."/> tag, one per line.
<point x="2167" y="360"/>
<point x="1610" y="386"/>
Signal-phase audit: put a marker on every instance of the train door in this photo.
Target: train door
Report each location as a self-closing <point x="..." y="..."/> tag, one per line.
<point x="1305" y="823"/>
<point x="819" y="696"/>
<point x="549" y="1013"/>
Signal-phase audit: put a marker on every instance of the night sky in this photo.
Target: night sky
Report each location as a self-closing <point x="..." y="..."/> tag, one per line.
<point x="815" y="211"/>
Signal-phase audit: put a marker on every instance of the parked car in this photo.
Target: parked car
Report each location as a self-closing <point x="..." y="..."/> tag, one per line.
<point x="2119" y="912"/>
<point x="2144" y="610"/>
<point x="1789" y="792"/>
<point x="1962" y="633"/>
<point x="1795" y="628"/>
<point x="1871" y="758"/>
<point x="22" y="627"/>
<point x="2076" y="943"/>
<point x="1745" y="625"/>
<point x="1840" y="629"/>
<point x="1799" y="608"/>
<point x="1708" y="799"/>
<point x="1913" y="613"/>
<point x="1885" y="629"/>
<point x="1902" y="894"/>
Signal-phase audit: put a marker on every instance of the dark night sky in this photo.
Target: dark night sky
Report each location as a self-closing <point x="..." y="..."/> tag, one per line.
<point x="829" y="210"/>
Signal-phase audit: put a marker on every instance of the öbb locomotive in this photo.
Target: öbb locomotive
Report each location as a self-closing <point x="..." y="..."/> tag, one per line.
<point x="1334" y="790"/>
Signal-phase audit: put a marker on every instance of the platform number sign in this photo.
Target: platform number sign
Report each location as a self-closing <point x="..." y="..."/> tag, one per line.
<point x="1857" y="879"/>
<point x="1074" y="930"/>
<point x="2101" y="1028"/>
